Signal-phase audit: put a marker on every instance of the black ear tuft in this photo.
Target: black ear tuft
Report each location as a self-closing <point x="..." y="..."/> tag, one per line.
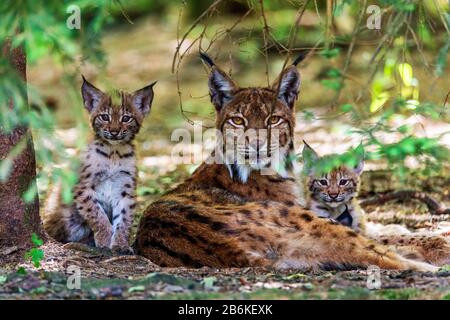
<point x="207" y="59"/>
<point x="301" y="56"/>
<point x="91" y="95"/>
<point x="221" y="88"/>
<point x="288" y="85"/>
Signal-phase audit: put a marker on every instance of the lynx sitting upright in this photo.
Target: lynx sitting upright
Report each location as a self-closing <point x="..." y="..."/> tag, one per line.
<point x="104" y="197"/>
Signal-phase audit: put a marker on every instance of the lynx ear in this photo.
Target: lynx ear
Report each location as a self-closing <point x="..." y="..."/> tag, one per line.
<point x="143" y="98"/>
<point x="289" y="84"/>
<point x="310" y="157"/>
<point x="91" y="95"/>
<point x="221" y="86"/>
<point x="360" y="166"/>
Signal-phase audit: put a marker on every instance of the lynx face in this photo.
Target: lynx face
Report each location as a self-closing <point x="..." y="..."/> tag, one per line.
<point x="117" y="117"/>
<point x="256" y="123"/>
<point x="335" y="188"/>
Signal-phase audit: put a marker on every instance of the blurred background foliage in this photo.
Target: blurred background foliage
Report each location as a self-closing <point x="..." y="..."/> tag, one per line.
<point x="383" y="87"/>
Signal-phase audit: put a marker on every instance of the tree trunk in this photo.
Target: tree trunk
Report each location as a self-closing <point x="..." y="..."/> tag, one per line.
<point x="18" y="220"/>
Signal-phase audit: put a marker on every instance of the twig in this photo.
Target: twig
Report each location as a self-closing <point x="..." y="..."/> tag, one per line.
<point x="265" y="32"/>
<point x="351" y="46"/>
<point x="194" y="24"/>
<point x="434" y="206"/>
<point x="122" y="10"/>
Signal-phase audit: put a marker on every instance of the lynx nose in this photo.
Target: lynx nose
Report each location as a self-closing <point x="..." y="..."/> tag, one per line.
<point x="114" y="132"/>
<point x="333" y="195"/>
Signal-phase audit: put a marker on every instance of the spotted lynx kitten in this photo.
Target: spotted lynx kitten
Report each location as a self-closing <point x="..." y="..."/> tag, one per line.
<point x="104" y="198"/>
<point x="333" y="194"/>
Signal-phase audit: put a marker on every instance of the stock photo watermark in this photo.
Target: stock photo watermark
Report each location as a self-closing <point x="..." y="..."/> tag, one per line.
<point x="373" y="278"/>
<point x="374" y="20"/>
<point x="259" y="149"/>
<point x="74" y="19"/>
<point x="74" y="279"/>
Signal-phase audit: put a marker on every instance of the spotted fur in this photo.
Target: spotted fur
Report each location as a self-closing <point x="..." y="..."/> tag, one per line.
<point x="104" y="199"/>
<point x="333" y="194"/>
<point x="218" y="218"/>
<point x="328" y="196"/>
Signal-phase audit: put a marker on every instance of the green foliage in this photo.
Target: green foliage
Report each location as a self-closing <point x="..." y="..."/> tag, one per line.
<point x="42" y="31"/>
<point x="330" y="53"/>
<point x="351" y="158"/>
<point x="35" y="254"/>
<point x="208" y="282"/>
<point x="21" y="271"/>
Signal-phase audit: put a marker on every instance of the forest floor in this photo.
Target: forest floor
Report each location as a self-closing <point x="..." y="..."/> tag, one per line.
<point x="132" y="277"/>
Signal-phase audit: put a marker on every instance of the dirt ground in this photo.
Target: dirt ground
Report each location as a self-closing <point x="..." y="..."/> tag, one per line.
<point x="114" y="278"/>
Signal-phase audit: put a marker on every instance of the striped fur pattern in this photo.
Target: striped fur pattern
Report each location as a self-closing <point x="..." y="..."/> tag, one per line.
<point x="328" y="196"/>
<point x="105" y="196"/>
<point x="333" y="194"/>
<point x="218" y="219"/>
<point x="256" y="123"/>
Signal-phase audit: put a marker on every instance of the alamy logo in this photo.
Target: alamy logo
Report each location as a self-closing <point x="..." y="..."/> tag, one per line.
<point x="373" y="278"/>
<point x="74" y="280"/>
<point x="74" y="20"/>
<point x="374" y="20"/>
<point x="257" y="148"/>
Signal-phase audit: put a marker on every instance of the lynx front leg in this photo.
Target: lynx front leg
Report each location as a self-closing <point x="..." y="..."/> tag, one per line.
<point x="89" y="208"/>
<point x="122" y="220"/>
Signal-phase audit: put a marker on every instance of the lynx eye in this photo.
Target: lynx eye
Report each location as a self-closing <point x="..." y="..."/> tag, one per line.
<point x="238" y="121"/>
<point x="323" y="182"/>
<point x="274" y="120"/>
<point x="343" y="182"/>
<point x="126" y="119"/>
<point x="105" y="117"/>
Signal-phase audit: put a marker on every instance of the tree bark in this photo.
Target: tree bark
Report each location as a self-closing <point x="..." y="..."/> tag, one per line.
<point x="18" y="220"/>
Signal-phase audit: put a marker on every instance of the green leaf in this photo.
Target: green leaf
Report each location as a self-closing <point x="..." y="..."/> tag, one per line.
<point x="36" y="256"/>
<point x="332" y="84"/>
<point x="295" y="276"/>
<point x="334" y="73"/>
<point x="406" y="73"/>
<point x="330" y="53"/>
<point x="30" y="194"/>
<point x="21" y="271"/>
<point x="208" y="282"/>
<point x="346" y="107"/>
<point x="445" y="268"/>
<point x="3" y="279"/>
<point x="378" y="101"/>
<point x="36" y="241"/>
<point x="403" y="129"/>
<point x="308" y="115"/>
<point x="136" y="289"/>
